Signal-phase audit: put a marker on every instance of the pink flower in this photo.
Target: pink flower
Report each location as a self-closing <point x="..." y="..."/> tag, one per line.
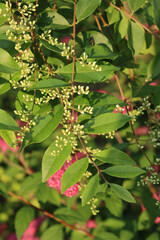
<point x="30" y="232"/>
<point x="91" y="224"/>
<point x="4" y="147"/>
<point x="11" y="236"/>
<point x="142" y="130"/>
<point x="157" y="221"/>
<point x="55" y="180"/>
<point x="66" y="39"/>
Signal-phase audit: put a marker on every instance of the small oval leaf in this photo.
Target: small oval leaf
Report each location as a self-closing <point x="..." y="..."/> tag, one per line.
<point x="114" y="156"/>
<point x="90" y="190"/>
<point x="106" y="122"/>
<point x="126" y="171"/>
<point x="7" y="63"/>
<point x="7" y="122"/>
<point x="122" y="193"/>
<point x="52" y="163"/>
<point x="49" y="84"/>
<point x="73" y="174"/>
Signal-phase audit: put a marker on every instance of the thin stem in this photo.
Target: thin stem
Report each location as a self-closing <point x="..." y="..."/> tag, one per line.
<point x="13" y="164"/>
<point x="134" y="19"/>
<point x="98" y="23"/>
<point x="131" y="124"/>
<point x="119" y="86"/>
<point x="93" y="161"/>
<point x="74" y="56"/>
<point x="51" y="215"/>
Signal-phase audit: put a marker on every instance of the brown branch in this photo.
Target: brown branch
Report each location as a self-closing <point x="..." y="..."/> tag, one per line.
<point x="51" y="215"/>
<point x="105" y="24"/>
<point x="131" y="124"/>
<point x="74" y="57"/>
<point x="98" y="23"/>
<point x="13" y="164"/>
<point x="99" y="171"/>
<point x="134" y="19"/>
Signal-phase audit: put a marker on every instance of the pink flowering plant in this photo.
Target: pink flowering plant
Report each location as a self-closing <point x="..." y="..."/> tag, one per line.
<point x="79" y="119"/>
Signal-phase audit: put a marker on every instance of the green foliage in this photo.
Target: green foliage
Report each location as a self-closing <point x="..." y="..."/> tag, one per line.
<point x="135" y="4"/>
<point x="69" y="178"/>
<point x="7" y="122"/>
<point x="79" y="103"/>
<point x="90" y="190"/>
<point x="49" y="84"/>
<point x="7" y="63"/>
<point x="85" y="8"/>
<point x="55" y="231"/>
<point x="105" y="123"/>
<point x="114" y="156"/>
<point x="122" y="193"/>
<point x="52" y="163"/>
<point x="22" y="220"/>
<point x="3" y="190"/>
<point x="126" y="171"/>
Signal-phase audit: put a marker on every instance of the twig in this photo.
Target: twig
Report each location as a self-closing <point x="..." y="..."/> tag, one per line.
<point x="74" y="57"/>
<point x="13" y="164"/>
<point x="98" y="24"/>
<point x="93" y="161"/>
<point x="134" y="19"/>
<point x="51" y="215"/>
<point x="131" y="124"/>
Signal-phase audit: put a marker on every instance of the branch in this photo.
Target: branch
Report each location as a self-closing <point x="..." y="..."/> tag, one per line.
<point x="134" y="19"/>
<point x="131" y="124"/>
<point x="103" y="177"/>
<point x="74" y="56"/>
<point x="51" y="215"/>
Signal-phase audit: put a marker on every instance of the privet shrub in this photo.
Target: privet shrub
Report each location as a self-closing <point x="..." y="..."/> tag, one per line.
<point x="79" y="119"/>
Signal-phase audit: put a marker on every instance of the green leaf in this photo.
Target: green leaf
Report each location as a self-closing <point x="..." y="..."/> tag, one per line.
<point x="22" y="220"/>
<point x="86" y="74"/>
<point x="22" y="104"/>
<point x="53" y="20"/>
<point x="122" y="193"/>
<point x="98" y="99"/>
<point x="100" y="51"/>
<point x="7" y="122"/>
<point x="7" y="63"/>
<point x="3" y="190"/>
<point x="99" y="38"/>
<point x="156" y="12"/>
<point x="4" y="85"/>
<point x="31" y="183"/>
<point x="45" y="125"/>
<point x="52" y="163"/>
<point x="9" y="137"/>
<point x="90" y="190"/>
<point x="114" y="156"/>
<point x="3" y="19"/>
<point x="136" y="37"/>
<point x="153" y="70"/>
<point x="85" y="8"/>
<point x="126" y="171"/>
<point x="73" y="174"/>
<point x="106" y="236"/>
<point x="49" y="84"/>
<point x="135" y="4"/>
<point x="105" y="123"/>
<point x="54" y="232"/>
<point x="114" y="203"/>
<point x="57" y="48"/>
<point x="69" y="215"/>
<point x="144" y="221"/>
